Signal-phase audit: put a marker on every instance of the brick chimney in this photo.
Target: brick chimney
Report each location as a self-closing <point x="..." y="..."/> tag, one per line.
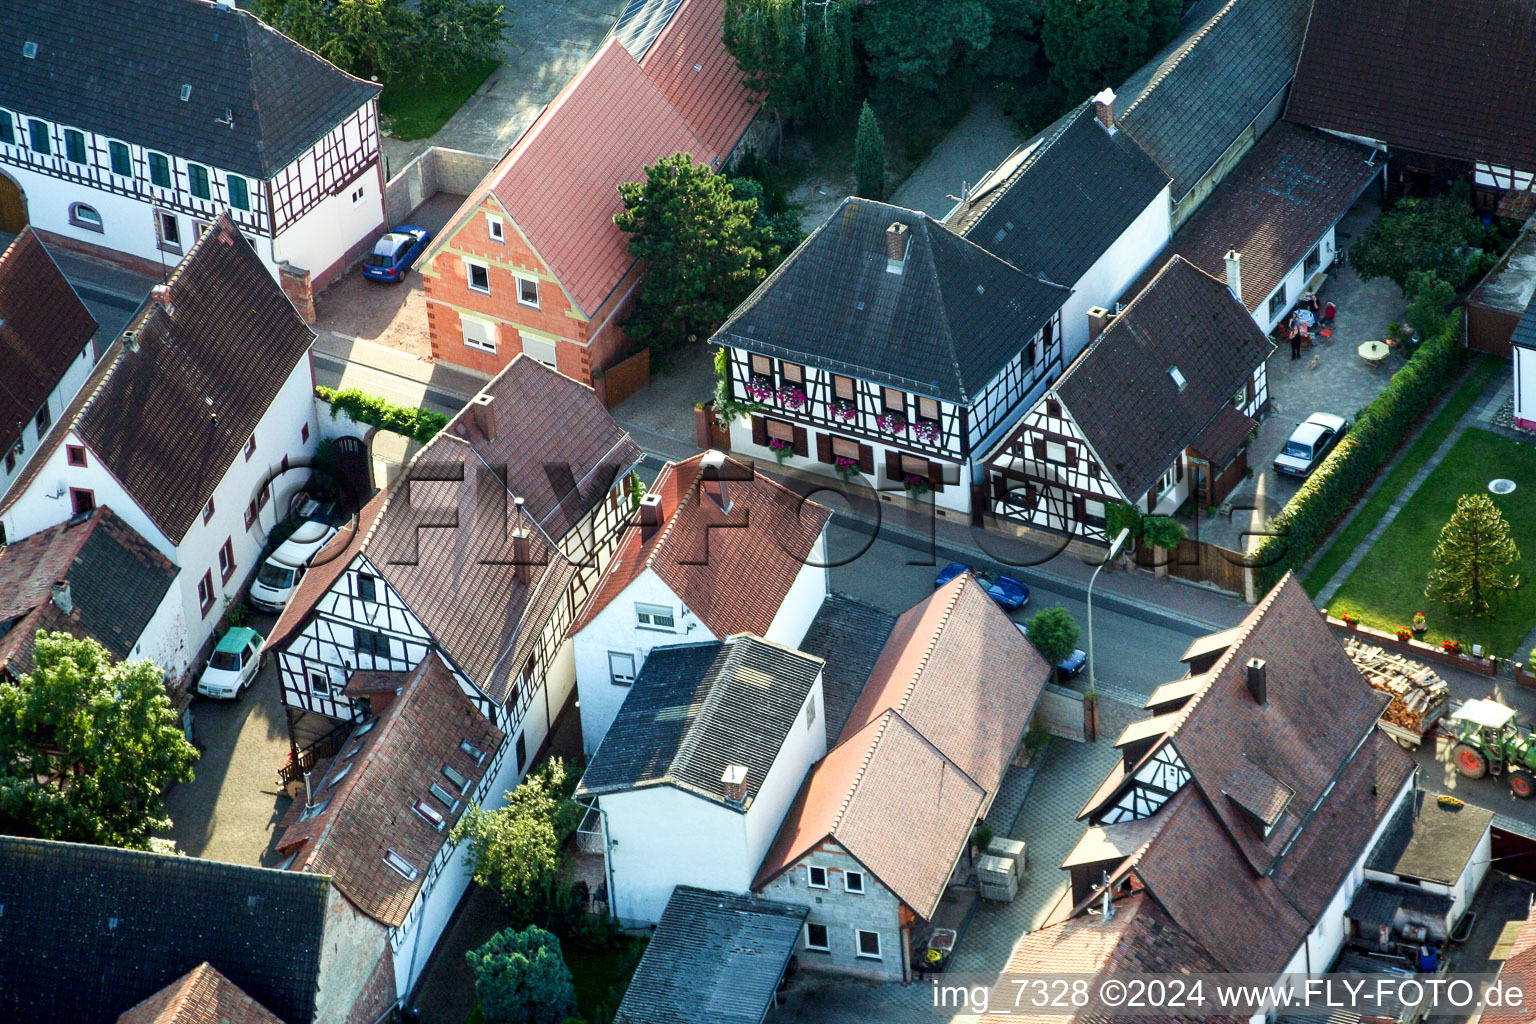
<point x="522" y="555"/>
<point x="1234" y="260"/>
<point x="734" y="781"/>
<point x="898" y="238"/>
<point x="1098" y="319"/>
<point x="1104" y="110"/>
<point x="1258" y="680"/>
<point x="161" y="293"/>
<point x="482" y="411"/>
<point x="651" y="512"/>
<point x="712" y="478"/>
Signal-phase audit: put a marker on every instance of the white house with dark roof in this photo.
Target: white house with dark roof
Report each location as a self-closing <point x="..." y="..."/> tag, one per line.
<point x="1158" y="408"/>
<point x="691" y="782"/>
<point x="45" y="347"/>
<point x="705" y="525"/>
<point x="187" y="428"/>
<point x="889" y="350"/>
<point x="129" y="127"/>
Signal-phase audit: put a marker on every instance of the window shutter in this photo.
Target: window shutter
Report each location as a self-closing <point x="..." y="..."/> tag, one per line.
<point x="1079" y="508"/>
<point x="999" y="486"/>
<point x="759" y="431"/>
<point x="824" y="447"/>
<point x="866" y="459"/>
<point x="1039" y="446"/>
<point x="893" y="467"/>
<point x="1031" y="497"/>
<point x="1178" y="469"/>
<point x="1071" y="457"/>
<point x="802" y="443"/>
<point x="1052" y="407"/>
<point x="935" y="476"/>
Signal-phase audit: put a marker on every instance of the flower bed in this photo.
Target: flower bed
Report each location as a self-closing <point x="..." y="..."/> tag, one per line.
<point x="1427" y="652"/>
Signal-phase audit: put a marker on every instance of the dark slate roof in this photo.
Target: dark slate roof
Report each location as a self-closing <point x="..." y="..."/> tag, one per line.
<point x="1120" y="391"/>
<point x="1274" y="207"/>
<point x="208" y="370"/>
<point x="1058" y="203"/>
<point x="90" y="931"/>
<point x="117" y="581"/>
<point x="118" y="68"/>
<point x="697" y="708"/>
<point x="43" y="328"/>
<point x="848" y="635"/>
<point x="1525" y="330"/>
<point x="1224" y="435"/>
<point x="1377" y="903"/>
<point x="943" y="327"/>
<point x="715" y="958"/>
<point x="1190" y="103"/>
<point x="641" y="21"/>
<point x="1444" y="77"/>
<point x="1431" y="841"/>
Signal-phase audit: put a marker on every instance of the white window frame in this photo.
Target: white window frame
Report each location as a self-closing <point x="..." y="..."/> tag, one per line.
<point x="431" y="815"/>
<point x="319" y="683"/>
<point x="460" y="781"/>
<point x="810" y="876"/>
<point x="826" y="936"/>
<point x="1277" y="298"/>
<point x="858" y="945"/>
<point x="523" y="280"/>
<point x="486" y="344"/>
<point x="1055" y="451"/>
<point x="616" y="677"/>
<point x="848" y="885"/>
<point x="495" y="228"/>
<point x="400" y="865"/>
<point x="470" y="266"/>
<point x="540" y="349"/>
<point x="647" y="616"/>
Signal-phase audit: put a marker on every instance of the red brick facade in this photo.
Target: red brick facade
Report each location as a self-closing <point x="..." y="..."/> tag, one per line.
<point x="583" y="345"/>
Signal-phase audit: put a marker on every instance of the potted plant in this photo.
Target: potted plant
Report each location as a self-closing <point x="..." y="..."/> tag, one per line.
<point x="1349" y="619"/>
<point x="782" y="449"/>
<point x="845" y="466"/>
<point x="760" y="390"/>
<point x="791" y="396"/>
<point x="916" y="486"/>
<point x="1420" y="624"/>
<point x="1451" y="646"/>
<point x="843" y="409"/>
<point x="892" y="422"/>
<point x="1404" y="634"/>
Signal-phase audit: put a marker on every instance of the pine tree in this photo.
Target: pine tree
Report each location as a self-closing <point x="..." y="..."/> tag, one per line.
<point x="869" y="155"/>
<point x="1473" y="557"/>
<point x="521" y="978"/>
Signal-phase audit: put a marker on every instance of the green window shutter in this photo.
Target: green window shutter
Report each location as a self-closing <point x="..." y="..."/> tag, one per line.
<point x="7" y="128"/>
<point x="239" y="194"/>
<point x="74" y="146"/>
<point x="159" y="170"/>
<point x="197" y="175"/>
<point x="37" y="132"/>
<point x="122" y="160"/>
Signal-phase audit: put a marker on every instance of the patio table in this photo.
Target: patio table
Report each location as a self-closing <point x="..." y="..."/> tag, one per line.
<point x="1306" y="316"/>
<point x="1373" y="352"/>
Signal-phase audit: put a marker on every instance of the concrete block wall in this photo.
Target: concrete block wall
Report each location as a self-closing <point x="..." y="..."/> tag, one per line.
<point x="436" y="170"/>
<point x="843" y="913"/>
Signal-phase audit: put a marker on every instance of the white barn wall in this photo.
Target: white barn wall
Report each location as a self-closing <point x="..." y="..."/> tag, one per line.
<point x="649" y="828"/>
<point x="804" y="599"/>
<point x="58" y="399"/>
<point x="1109" y="277"/>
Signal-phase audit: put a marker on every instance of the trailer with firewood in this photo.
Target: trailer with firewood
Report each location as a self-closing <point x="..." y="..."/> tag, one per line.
<point x="1419" y="696"/>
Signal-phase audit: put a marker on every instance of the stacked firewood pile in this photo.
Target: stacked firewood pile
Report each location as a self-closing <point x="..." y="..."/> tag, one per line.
<point x="1418" y="695"/>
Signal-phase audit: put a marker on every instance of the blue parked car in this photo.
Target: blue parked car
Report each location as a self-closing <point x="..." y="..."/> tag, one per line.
<point x="396" y="253"/>
<point x="1069" y="666"/>
<point x="1009" y="593"/>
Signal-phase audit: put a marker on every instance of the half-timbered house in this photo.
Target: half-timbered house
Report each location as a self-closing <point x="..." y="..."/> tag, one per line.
<point x="481" y="551"/>
<point x="1156" y="410"/>
<point x="127" y="128"/>
<point x="1235" y="828"/>
<point x="187" y="428"/>
<point x="706" y="525"/>
<point x="1438" y="86"/>
<point x="889" y="349"/>
<point x="45" y="346"/>
<point x="874" y="835"/>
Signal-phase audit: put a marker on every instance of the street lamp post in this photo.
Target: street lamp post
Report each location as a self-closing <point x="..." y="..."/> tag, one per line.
<point x="1114" y="549"/>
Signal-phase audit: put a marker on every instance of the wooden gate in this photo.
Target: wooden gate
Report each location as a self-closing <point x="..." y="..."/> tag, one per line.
<point x="1199" y="562"/>
<point x="13" y="209"/>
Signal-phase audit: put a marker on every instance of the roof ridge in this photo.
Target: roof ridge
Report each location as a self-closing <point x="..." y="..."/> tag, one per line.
<point x="884" y="723"/>
<point x="1180" y="53"/>
<point x="922" y="664"/>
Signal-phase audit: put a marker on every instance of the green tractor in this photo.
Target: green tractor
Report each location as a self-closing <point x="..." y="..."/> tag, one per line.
<point x="1489" y="742"/>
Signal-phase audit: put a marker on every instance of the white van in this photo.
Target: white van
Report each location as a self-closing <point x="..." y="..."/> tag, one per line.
<point x="284" y="568"/>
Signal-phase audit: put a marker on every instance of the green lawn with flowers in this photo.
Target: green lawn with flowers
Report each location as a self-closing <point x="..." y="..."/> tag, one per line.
<point x="1387" y="587"/>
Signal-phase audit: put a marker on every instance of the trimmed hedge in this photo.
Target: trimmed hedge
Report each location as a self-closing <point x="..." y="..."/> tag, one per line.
<point x="1302" y="525"/>
<point x="420" y="424"/>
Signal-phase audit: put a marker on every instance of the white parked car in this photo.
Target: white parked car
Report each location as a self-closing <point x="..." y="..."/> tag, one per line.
<point x="280" y="574"/>
<point x="233" y="665"/>
<point x="1309" y="442"/>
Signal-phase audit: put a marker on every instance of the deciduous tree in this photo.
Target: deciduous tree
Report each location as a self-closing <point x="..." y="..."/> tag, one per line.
<point x="1054" y="633"/>
<point x="704" y="248"/>
<point x="869" y="155"/>
<point x="515" y="849"/>
<point x="1473" y="558"/>
<point x="390" y="38"/>
<point x="87" y="746"/>
<point x="521" y="978"/>
<point x="1095" y="44"/>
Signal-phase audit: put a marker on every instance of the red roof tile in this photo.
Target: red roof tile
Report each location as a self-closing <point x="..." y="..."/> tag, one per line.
<point x="1519" y="968"/>
<point x="43" y="328"/>
<point x="703" y="553"/>
<point x="367" y="792"/>
<point x="201" y="996"/>
<point x="691" y="66"/>
<point x="560" y="181"/>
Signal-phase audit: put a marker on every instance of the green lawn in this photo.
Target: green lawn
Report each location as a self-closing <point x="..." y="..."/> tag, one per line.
<point x="415" y="109"/>
<point x="1388" y="586"/>
<point x="1434" y="434"/>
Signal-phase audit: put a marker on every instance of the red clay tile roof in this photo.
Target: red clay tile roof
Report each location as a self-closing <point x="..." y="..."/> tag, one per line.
<point x="227" y="312"/>
<point x="324" y="570"/>
<point x="560" y="181"/>
<point x="1521" y="964"/>
<point x="1273" y="208"/>
<point x="691" y="66"/>
<point x="894" y="802"/>
<point x="369" y="789"/>
<point x="1224" y="435"/>
<point x="703" y="553"/>
<point x="201" y="996"/>
<point x="1447" y="77"/>
<point x="43" y="328"/>
<point x="1138" y="938"/>
<point x="959" y="671"/>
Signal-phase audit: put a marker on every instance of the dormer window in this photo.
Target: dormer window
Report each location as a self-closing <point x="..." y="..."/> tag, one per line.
<point x="400" y="865"/>
<point x="431" y="815"/>
<point x="446" y="798"/>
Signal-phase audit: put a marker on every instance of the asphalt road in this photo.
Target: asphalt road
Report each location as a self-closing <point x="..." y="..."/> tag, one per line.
<point x="332" y="372"/>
